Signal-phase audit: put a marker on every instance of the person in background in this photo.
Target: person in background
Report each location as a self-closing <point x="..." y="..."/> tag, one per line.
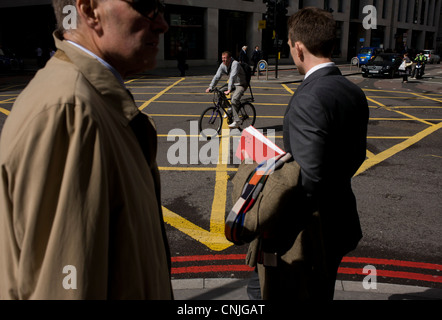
<point x="420" y="60"/>
<point x="181" y="59"/>
<point x="237" y="83"/>
<point x="243" y="57"/>
<point x="407" y="70"/>
<point x="256" y="57"/>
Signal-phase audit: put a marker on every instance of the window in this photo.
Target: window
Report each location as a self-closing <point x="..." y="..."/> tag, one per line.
<point x="354" y="10"/>
<point x="423" y="11"/>
<point x="340" y="5"/>
<point x="384" y="9"/>
<point x="366" y="51"/>
<point x="416" y="10"/>
<point x="399" y="13"/>
<point x="327" y="5"/>
<point x="435" y="13"/>
<point x="186" y="30"/>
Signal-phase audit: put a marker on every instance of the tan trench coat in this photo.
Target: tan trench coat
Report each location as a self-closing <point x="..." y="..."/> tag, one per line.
<point x="79" y="204"/>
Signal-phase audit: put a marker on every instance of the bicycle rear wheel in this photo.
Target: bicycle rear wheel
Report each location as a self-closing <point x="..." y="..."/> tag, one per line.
<point x="247" y="115"/>
<point x="210" y="122"/>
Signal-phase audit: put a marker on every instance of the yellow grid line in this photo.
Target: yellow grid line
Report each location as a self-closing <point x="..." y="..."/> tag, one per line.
<point x="144" y="105"/>
<point x="4" y="111"/>
<point x="400" y="112"/>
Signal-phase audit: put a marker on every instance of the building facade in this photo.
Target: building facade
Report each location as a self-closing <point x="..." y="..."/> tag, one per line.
<point x="205" y="28"/>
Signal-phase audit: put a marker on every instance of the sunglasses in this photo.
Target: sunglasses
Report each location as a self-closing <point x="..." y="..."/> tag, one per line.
<point x="150" y="9"/>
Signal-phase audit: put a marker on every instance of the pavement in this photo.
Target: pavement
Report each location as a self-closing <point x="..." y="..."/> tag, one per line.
<point x="236" y="289"/>
<point x="287" y="73"/>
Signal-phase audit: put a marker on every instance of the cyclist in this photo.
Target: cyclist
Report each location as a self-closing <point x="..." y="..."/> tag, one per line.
<point x="237" y="83"/>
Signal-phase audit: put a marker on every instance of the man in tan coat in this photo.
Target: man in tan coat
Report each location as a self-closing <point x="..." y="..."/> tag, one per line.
<point x="80" y="212"/>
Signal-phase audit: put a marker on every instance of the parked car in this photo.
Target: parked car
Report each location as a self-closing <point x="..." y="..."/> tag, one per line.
<point x="384" y="64"/>
<point x="366" y="53"/>
<point x="432" y="57"/>
<point x="9" y="60"/>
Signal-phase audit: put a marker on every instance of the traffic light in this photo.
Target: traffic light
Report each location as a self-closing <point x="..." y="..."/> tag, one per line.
<point x="281" y="8"/>
<point x="281" y="13"/>
<point x="270" y="13"/>
<point x="276" y="13"/>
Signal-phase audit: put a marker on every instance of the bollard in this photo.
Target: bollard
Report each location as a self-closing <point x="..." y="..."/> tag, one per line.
<point x="263" y="65"/>
<point x="354" y="62"/>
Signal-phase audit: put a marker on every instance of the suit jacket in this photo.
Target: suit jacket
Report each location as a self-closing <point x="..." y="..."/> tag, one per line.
<point x="78" y="191"/>
<point x="325" y="129"/>
<point x="243" y="57"/>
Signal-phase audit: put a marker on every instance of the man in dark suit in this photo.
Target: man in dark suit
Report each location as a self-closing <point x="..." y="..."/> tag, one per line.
<point x="325" y="129"/>
<point x="243" y="57"/>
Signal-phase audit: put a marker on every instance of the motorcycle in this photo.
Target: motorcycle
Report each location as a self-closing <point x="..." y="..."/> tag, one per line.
<point x="419" y="70"/>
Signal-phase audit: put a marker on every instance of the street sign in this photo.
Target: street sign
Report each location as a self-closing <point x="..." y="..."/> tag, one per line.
<point x="262" y="24"/>
<point x="262" y="65"/>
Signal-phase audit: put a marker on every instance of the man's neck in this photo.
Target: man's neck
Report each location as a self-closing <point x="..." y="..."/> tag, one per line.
<point x="313" y="61"/>
<point x="317" y="67"/>
<point x="85" y="42"/>
<point x="86" y="47"/>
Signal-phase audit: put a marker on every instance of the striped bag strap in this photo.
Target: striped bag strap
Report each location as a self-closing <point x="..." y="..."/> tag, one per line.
<point x="252" y="188"/>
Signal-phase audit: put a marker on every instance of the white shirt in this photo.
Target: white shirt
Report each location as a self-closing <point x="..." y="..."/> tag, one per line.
<point x="107" y="65"/>
<point x="317" y="67"/>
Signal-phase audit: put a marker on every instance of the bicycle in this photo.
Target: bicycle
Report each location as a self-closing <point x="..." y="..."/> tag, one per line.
<point x="211" y="120"/>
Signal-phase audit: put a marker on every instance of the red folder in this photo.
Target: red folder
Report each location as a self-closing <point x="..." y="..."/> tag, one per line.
<point x="254" y="145"/>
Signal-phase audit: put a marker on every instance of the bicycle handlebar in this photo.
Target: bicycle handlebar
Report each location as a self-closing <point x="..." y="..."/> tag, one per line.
<point x="220" y="89"/>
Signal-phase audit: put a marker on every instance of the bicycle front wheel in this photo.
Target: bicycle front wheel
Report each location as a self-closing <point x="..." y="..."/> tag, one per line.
<point x="247" y="115"/>
<point x="210" y="122"/>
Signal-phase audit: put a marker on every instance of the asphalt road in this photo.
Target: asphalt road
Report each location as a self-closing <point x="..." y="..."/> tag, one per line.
<point x="399" y="187"/>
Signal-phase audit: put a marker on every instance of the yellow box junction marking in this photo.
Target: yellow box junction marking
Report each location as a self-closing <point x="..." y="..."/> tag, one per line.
<point x="214" y="239"/>
<point x="4" y="111"/>
<point x="7" y="101"/>
<point x="374" y="159"/>
<point x="429" y="98"/>
<point x="400" y="112"/>
<point x="144" y="105"/>
<point x="378" y="158"/>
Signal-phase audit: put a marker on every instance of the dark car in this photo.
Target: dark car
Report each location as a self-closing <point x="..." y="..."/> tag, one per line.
<point x="384" y="64"/>
<point x="9" y="60"/>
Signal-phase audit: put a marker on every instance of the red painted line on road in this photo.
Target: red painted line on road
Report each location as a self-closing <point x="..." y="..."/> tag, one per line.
<point x="218" y="268"/>
<point x="342" y="270"/>
<point x="409" y="264"/>
<point x="394" y="274"/>
<point x="399" y="263"/>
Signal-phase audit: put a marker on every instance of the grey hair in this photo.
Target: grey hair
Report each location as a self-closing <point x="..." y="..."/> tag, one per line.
<point x="59" y="7"/>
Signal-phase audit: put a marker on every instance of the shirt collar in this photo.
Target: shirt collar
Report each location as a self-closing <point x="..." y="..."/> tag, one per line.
<point x="107" y="65"/>
<point x="317" y="67"/>
<point x="101" y="78"/>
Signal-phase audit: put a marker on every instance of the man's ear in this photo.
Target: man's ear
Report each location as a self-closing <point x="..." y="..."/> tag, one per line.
<point x="299" y="50"/>
<point x="87" y="12"/>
